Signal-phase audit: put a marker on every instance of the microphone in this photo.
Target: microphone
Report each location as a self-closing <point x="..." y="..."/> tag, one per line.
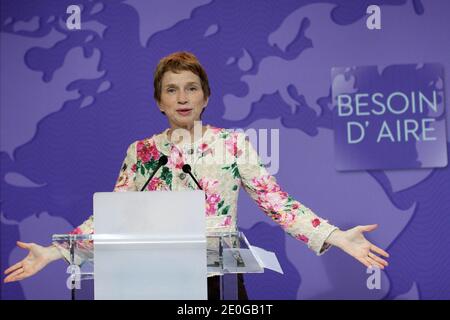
<point x="187" y="169"/>
<point x="162" y="161"/>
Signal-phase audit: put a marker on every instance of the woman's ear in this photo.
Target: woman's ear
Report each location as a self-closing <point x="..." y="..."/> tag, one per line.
<point x="206" y="103"/>
<point x="161" y="107"/>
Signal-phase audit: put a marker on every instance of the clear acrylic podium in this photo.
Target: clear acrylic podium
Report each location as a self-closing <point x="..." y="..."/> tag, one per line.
<point x="227" y="255"/>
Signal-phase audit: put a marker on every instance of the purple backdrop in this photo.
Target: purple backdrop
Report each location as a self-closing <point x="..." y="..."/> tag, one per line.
<point x="73" y="100"/>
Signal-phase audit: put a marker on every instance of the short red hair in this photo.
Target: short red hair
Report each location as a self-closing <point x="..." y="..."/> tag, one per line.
<point x="175" y="62"/>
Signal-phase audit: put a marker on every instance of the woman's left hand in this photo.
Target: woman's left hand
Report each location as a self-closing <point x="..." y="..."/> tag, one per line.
<point x="354" y="243"/>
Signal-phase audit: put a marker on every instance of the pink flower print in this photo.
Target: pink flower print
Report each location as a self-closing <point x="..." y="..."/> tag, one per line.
<point x="212" y="201"/>
<point x="227" y="221"/>
<point x="265" y="184"/>
<point x="315" y="222"/>
<point x="274" y="201"/>
<point x="155" y="184"/>
<point x="231" y="145"/>
<point x="142" y="153"/>
<point x="134" y="168"/>
<point x="147" y="150"/>
<point x="286" y="219"/>
<point x="209" y="185"/>
<point x="176" y="158"/>
<point x="76" y="231"/>
<point x="202" y="148"/>
<point x="302" y="238"/>
<point x="154" y="153"/>
<point x="123" y="181"/>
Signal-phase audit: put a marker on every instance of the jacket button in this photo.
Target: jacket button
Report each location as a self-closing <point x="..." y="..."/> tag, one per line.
<point x="182" y="175"/>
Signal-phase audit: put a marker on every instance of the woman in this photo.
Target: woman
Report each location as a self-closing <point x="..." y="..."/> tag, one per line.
<point x="222" y="161"/>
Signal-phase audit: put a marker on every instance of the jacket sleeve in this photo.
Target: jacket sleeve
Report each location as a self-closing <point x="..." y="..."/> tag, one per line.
<point x="295" y="218"/>
<point x="125" y="182"/>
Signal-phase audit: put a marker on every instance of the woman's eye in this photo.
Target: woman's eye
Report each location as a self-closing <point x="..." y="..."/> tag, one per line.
<point x="193" y="89"/>
<point x="171" y="90"/>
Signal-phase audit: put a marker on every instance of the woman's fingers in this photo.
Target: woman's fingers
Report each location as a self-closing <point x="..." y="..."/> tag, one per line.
<point x="12" y="276"/>
<point x="374" y="263"/>
<point x="372" y="258"/>
<point x="364" y="262"/>
<point x="379" y="251"/>
<point x="370" y="263"/>
<point x="23" y="245"/>
<point x="369" y="227"/>
<point x="378" y="259"/>
<point x="14" y="267"/>
<point x="21" y="276"/>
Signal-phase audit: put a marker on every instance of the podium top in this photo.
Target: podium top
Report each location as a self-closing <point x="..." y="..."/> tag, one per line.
<point x="71" y="237"/>
<point x="228" y="252"/>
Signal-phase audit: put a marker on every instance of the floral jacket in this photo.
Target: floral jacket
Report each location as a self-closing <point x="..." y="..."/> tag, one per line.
<point x="222" y="161"/>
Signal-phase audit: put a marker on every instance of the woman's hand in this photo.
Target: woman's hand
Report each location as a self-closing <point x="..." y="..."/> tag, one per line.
<point x="355" y="244"/>
<point x="37" y="258"/>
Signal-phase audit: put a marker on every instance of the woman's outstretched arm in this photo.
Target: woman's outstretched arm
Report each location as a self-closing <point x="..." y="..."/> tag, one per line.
<point x="297" y="219"/>
<point x="38" y="256"/>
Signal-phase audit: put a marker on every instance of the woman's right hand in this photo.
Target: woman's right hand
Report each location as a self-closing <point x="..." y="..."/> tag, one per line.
<point x="37" y="258"/>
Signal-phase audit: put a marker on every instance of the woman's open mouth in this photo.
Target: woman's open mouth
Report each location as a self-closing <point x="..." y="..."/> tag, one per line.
<point x="184" y="112"/>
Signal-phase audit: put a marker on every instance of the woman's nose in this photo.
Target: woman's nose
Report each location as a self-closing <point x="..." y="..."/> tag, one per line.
<point x="182" y="97"/>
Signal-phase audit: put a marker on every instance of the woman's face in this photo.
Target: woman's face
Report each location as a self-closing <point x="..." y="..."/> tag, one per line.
<point x="182" y="98"/>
